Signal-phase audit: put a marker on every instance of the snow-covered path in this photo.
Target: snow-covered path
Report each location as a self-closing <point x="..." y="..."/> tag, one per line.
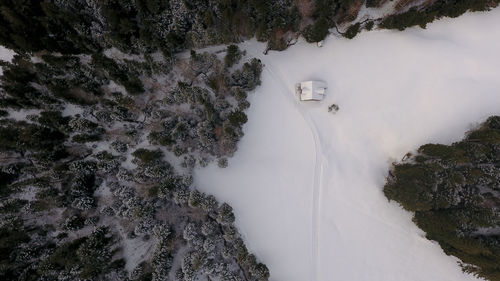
<point x="306" y="185"/>
<point x="319" y="162"/>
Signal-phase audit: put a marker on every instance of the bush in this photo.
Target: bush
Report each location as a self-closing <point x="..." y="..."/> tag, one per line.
<point x="233" y="55"/>
<point x="53" y="119"/>
<point x="369" y="25"/>
<point x="222" y="162"/>
<point x="410" y="18"/>
<point x="237" y="118"/>
<point x="94" y="253"/>
<point x="147" y="156"/>
<point x="317" y="31"/>
<point x="84" y="138"/>
<point x="352" y="31"/>
<point x="373" y="3"/>
<point x="248" y="77"/>
<point x="120" y="73"/>
<point x="413" y="187"/>
<point x="29" y="137"/>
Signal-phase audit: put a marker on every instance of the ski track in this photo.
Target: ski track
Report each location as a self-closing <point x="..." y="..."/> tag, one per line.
<point x="319" y="160"/>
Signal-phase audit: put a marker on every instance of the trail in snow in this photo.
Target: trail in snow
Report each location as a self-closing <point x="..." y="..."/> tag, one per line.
<point x="318" y="166"/>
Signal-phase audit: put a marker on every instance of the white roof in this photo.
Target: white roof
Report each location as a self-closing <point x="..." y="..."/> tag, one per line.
<point x="312" y="90"/>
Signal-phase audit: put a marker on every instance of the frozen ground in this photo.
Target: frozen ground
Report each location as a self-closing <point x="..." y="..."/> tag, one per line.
<point x="306" y="185"/>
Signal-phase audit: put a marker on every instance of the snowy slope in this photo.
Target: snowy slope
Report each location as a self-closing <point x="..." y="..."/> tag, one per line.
<point x="306" y="185"/>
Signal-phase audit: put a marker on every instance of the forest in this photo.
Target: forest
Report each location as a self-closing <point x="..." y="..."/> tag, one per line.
<point x="96" y="173"/>
<point x="453" y="192"/>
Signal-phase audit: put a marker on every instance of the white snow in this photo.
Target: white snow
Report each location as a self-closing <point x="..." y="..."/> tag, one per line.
<point x="306" y="185"/>
<point x="114" y="87"/>
<point x="6" y="55"/>
<point x="366" y="13"/>
<point x="135" y="251"/>
<point x="22" y="114"/>
<point x="118" y="55"/>
<point x="72" y="110"/>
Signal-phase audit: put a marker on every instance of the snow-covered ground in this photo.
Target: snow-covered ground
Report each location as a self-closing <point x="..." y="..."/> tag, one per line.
<point x="306" y="185"/>
<point x="375" y="13"/>
<point x="6" y="55"/>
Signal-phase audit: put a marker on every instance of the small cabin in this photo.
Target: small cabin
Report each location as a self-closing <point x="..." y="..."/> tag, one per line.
<point x="311" y="90"/>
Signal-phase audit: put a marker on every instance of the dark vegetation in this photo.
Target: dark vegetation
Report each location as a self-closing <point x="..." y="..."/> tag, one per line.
<point x="453" y="191"/>
<point x="440" y="8"/>
<point x="352" y="31"/>
<point x="97" y="78"/>
<point x="327" y="14"/>
<point x="145" y="26"/>
<point x="67" y="229"/>
<point x="317" y="31"/>
<point x="233" y="55"/>
<point x="141" y="25"/>
<point x="374" y="3"/>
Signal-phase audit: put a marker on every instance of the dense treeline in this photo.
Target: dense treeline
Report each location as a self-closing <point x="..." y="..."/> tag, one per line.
<point x="74" y="27"/>
<point x="139" y="26"/>
<point x="440" y="8"/>
<point x="453" y="192"/>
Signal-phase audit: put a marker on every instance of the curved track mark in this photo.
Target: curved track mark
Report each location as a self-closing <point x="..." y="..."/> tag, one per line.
<point x="318" y="167"/>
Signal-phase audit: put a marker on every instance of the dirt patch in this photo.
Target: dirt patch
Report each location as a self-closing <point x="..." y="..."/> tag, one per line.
<point x="306" y="10"/>
<point x="404" y="5"/>
<point x="351" y="12"/>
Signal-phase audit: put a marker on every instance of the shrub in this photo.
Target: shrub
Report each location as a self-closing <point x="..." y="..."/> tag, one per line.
<point x="225" y="214"/>
<point x="317" y="31"/>
<point x="222" y="162"/>
<point x="373" y="3"/>
<point x="83" y="138"/>
<point x="22" y="136"/>
<point x="147" y="156"/>
<point x="369" y="25"/>
<point x="53" y="119"/>
<point x="352" y="31"/>
<point x="248" y="77"/>
<point x="413" y="187"/>
<point x="410" y="18"/>
<point x="233" y="55"/>
<point x="237" y="118"/>
<point x="94" y="254"/>
<point x="120" y="73"/>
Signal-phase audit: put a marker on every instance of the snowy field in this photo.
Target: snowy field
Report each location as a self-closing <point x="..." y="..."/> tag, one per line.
<point x="306" y="184"/>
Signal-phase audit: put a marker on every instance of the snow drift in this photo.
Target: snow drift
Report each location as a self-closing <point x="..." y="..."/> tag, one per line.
<point x="306" y="184"/>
